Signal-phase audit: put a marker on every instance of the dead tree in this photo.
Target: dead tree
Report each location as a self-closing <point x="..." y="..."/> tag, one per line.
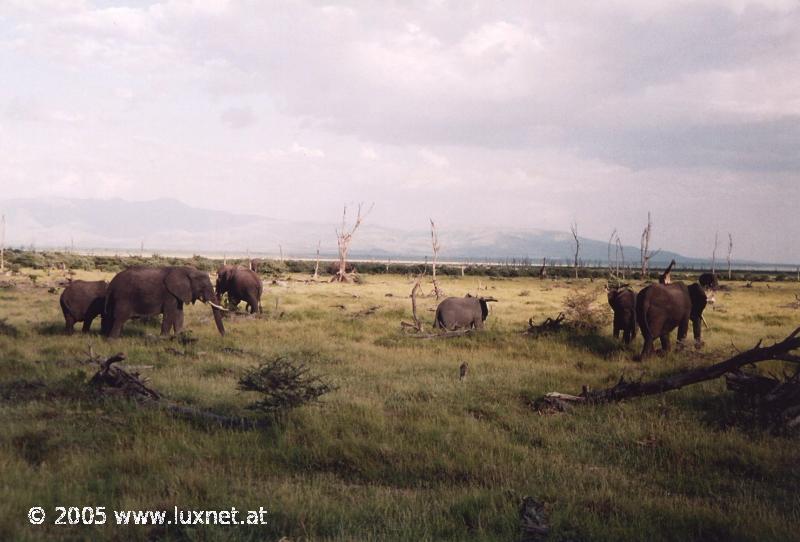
<point x="435" y="244"/>
<point x="624" y="389"/>
<point x="610" y="261"/>
<point x="344" y="237"/>
<point x="644" y="247"/>
<point x="730" y="251"/>
<point x="543" y="269"/>
<point x="619" y="256"/>
<point x="714" y="254"/>
<point x="417" y="325"/>
<point x="316" y="265"/>
<point x="574" y="229"/>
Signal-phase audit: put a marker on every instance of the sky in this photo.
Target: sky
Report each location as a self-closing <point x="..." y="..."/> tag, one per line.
<point x="511" y="114"/>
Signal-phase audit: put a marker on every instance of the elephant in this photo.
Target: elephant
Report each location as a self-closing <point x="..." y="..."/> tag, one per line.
<point x="147" y="291"/>
<point x="462" y="312"/>
<point x="708" y="280"/>
<point x="82" y="301"/>
<point x="623" y="302"/>
<point x="240" y="284"/>
<point x="660" y="308"/>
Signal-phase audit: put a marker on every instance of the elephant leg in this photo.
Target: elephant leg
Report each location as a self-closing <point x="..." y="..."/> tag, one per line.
<point x="616" y="332"/>
<point x="665" y="345"/>
<point x="69" y="326"/>
<point x="626" y="336"/>
<point x="116" y="328"/>
<point x="166" y="324"/>
<point x="647" y="349"/>
<point x="683" y="330"/>
<point x="177" y="324"/>
<point x="253" y="303"/>
<point x="87" y="324"/>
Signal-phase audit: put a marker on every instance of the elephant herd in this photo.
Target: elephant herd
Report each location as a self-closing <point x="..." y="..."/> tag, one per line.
<point x="143" y="291"/>
<point x="657" y="309"/>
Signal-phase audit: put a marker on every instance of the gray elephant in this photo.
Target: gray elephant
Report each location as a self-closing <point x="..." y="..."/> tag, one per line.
<point x="147" y="291"/>
<point x="82" y="301"/>
<point x="708" y="280"/>
<point x="623" y="302"/>
<point x="660" y="308"/>
<point x="462" y="312"/>
<point x="241" y="285"/>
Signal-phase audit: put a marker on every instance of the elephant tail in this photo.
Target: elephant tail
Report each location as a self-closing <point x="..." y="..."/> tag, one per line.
<point x="65" y="308"/>
<point x="107" y="317"/>
<point x="642" y="306"/>
<point x="437" y="322"/>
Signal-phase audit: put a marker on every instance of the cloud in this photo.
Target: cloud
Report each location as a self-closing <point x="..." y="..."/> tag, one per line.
<point x="238" y="117"/>
<point x="520" y="113"/>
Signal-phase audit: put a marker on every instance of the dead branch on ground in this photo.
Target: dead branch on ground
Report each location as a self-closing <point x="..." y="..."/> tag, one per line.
<point x="624" y="389"/>
<point x="550" y="325"/>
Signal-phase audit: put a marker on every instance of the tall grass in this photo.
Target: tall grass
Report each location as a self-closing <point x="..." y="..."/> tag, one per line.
<point x="401" y="450"/>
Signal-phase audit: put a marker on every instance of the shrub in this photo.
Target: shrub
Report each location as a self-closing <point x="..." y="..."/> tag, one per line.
<point x="582" y="313"/>
<point x="284" y="384"/>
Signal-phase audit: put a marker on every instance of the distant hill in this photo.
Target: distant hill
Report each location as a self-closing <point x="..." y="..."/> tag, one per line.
<point x="168" y="224"/>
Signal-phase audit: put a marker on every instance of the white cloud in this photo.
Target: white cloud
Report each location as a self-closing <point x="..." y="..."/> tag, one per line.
<point x="434" y="159"/>
<point x="530" y="113"/>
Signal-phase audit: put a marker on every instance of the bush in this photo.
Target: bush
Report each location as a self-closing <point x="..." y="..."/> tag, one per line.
<point x="582" y="313"/>
<point x="284" y="384"/>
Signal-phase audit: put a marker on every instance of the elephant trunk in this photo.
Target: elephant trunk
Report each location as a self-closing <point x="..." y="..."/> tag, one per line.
<point x="216" y="310"/>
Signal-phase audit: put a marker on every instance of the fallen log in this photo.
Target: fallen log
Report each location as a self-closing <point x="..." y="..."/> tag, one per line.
<point x="624" y="389"/>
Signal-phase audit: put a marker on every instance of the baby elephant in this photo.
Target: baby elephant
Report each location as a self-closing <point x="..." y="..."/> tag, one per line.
<point x="241" y="285"/>
<point x="82" y="301"/>
<point x="623" y="301"/>
<point x="462" y="312"/>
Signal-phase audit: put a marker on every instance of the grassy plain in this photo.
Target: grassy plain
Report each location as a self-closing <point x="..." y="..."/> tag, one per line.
<point x="401" y="450"/>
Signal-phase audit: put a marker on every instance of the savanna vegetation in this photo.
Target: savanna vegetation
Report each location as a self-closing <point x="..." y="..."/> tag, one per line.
<point x="400" y="448"/>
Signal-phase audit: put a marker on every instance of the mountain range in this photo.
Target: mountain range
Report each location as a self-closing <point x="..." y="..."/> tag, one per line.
<point x="168" y="225"/>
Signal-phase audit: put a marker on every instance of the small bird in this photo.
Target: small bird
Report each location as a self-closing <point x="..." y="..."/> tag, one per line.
<point x="463" y="371"/>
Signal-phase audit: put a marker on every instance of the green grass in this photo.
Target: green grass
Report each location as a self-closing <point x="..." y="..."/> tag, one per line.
<point x="401" y="450"/>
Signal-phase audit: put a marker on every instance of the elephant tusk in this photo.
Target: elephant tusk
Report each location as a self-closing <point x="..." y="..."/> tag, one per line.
<point x="703" y="318"/>
<point x="218" y="306"/>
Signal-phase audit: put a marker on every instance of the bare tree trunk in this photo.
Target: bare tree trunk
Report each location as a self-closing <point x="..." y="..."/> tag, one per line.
<point x="610" y="264"/>
<point x="316" y="266"/>
<point x="435" y="244"/>
<point x="417" y="325"/>
<point x="714" y="254"/>
<point x="644" y="247"/>
<point x="574" y="229"/>
<point x="280" y="250"/>
<point x="343" y="239"/>
<point x="730" y="251"/>
<point x="543" y="269"/>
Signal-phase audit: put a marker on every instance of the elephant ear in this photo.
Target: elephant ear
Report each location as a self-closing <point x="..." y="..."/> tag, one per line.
<point x="699" y="299"/>
<point x="179" y="285"/>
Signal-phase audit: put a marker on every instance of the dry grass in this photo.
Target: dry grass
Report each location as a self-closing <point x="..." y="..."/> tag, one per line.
<point x="401" y="450"/>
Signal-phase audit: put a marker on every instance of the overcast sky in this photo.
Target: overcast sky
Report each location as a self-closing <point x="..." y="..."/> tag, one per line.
<point x="503" y="114"/>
